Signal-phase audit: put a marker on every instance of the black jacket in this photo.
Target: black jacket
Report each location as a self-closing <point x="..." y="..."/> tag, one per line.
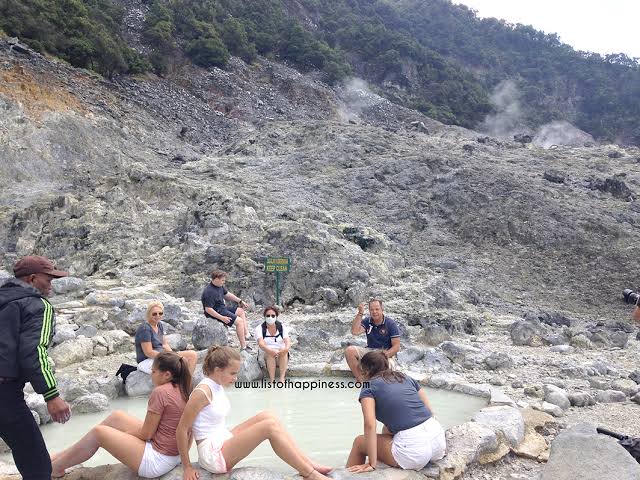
<point x="26" y="328"/>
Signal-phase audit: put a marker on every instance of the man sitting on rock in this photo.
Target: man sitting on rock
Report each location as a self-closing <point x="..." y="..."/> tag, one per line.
<point x="382" y="334"/>
<point x="213" y="298"/>
<point x="151" y="341"/>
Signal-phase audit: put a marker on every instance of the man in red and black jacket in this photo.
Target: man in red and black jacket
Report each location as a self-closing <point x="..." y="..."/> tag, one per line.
<point x="27" y="323"/>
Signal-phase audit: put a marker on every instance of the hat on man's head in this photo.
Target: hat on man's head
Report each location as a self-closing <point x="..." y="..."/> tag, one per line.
<point x="36" y="264"/>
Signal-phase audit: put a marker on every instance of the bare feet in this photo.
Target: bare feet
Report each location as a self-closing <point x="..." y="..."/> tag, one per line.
<point x="316" y="475"/>
<point x="323" y="469"/>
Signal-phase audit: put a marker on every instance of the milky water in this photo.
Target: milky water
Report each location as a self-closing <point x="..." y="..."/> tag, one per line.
<point x="323" y="421"/>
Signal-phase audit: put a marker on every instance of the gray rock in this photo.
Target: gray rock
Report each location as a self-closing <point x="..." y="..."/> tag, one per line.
<point x="549" y="408"/>
<point x="208" y="332"/>
<point x="330" y="296"/>
<point x="581" y="341"/>
<point x="567" y="349"/>
<point x="138" y="384"/>
<point x="250" y="369"/>
<point x="466" y="444"/>
<point x="574" y="372"/>
<point x="625" y="385"/>
<point x="498" y="361"/>
<point x="435" y="360"/>
<point x="410" y="355"/>
<point x="581" y="399"/>
<point x="636" y="398"/>
<point x="176" y="342"/>
<point x="635" y="376"/>
<point x="88" y="331"/>
<point x="79" y="350"/>
<point x="600" y="383"/>
<point x="67" y="284"/>
<point x="456" y="352"/>
<point x="504" y="419"/>
<point x="534" y="391"/>
<point x="524" y="332"/>
<point x="36" y="403"/>
<point x="91" y="403"/>
<point x="610" y="396"/>
<point x="556" y="396"/>
<point x="63" y="334"/>
<point x="435" y="334"/>
<point x="618" y="339"/>
<point x="580" y="452"/>
<point x="4" y="448"/>
<point x="548" y="318"/>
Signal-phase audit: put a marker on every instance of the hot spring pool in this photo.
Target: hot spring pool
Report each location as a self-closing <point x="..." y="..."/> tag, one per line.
<point x="323" y="421"/>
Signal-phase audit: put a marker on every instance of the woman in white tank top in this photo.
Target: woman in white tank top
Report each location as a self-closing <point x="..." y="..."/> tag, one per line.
<point x="220" y="449"/>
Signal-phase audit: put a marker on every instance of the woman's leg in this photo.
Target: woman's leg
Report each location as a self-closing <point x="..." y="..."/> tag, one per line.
<point x="191" y="357"/>
<point x="246" y="439"/>
<point x="358" y="453"/>
<point x="126" y="448"/>
<point x="118" y="420"/>
<point x="271" y="366"/>
<point x="283" y="363"/>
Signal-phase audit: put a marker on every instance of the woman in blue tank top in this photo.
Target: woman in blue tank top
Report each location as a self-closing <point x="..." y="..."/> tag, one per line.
<point x="411" y="436"/>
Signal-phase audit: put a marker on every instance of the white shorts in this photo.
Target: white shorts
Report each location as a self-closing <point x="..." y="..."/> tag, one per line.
<point x="210" y="454"/>
<point x="145" y="365"/>
<point x="155" y="464"/>
<point x="417" y="446"/>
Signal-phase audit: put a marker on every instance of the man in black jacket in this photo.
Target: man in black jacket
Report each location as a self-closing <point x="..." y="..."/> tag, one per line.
<point x="27" y="323"/>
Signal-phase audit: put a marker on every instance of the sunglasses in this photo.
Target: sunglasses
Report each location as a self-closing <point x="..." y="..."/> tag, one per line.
<point x="157" y="314"/>
<point x="271" y="316"/>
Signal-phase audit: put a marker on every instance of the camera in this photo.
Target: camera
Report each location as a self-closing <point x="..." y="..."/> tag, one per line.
<point x="631" y="297"/>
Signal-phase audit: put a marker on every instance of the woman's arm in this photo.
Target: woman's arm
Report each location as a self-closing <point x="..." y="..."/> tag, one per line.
<point x="197" y="402"/>
<point x="287" y="345"/>
<point x="149" y="427"/>
<point x="425" y="400"/>
<point x="148" y="350"/>
<point x="368" y="405"/>
<point x="165" y="344"/>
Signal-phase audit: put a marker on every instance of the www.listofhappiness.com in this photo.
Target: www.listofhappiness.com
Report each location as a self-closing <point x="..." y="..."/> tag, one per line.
<point x="302" y="384"/>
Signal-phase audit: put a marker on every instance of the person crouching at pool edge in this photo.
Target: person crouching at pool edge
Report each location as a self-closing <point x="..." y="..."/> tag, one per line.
<point x="148" y="448"/>
<point x="219" y="450"/>
<point x="411" y="436"/>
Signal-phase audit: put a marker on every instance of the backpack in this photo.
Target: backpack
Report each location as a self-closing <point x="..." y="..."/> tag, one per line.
<point x="278" y="326"/>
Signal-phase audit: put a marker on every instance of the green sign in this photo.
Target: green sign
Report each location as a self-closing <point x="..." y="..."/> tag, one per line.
<point x="277" y="265"/>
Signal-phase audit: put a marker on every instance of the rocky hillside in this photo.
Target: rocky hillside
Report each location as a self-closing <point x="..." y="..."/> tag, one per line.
<point x="158" y="180"/>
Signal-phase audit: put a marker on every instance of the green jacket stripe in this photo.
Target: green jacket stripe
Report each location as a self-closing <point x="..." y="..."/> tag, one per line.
<point x="45" y="334"/>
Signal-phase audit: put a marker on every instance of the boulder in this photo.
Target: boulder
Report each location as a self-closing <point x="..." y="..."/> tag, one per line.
<point x="434" y="334"/>
<point x="63" y="334"/>
<point x="91" y="403"/>
<point x="36" y="403"/>
<point x="208" y="332"/>
<point x="456" y="352"/>
<point x="525" y="332"/>
<point x="88" y="331"/>
<point x="466" y="444"/>
<point x="79" y="350"/>
<point x="635" y="376"/>
<point x="138" y="384"/>
<point x="625" y="385"/>
<point x="498" y="361"/>
<point x="581" y="399"/>
<point x="176" y="342"/>
<point x="610" y="396"/>
<point x="556" y="396"/>
<point x="506" y="420"/>
<point x="580" y="452"/>
<point x="410" y="355"/>
<point x="250" y="369"/>
<point x="66" y="285"/>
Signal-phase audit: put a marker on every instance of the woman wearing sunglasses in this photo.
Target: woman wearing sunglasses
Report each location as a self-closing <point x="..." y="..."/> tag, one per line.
<point x="273" y="340"/>
<point x="151" y="341"/>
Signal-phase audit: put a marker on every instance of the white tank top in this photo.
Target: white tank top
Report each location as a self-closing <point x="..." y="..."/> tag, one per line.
<point x="211" y="420"/>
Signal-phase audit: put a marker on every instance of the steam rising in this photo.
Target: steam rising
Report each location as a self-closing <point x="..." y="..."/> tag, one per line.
<point x="507" y="119"/>
<point x="357" y="97"/>
<point x="561" y="133"/>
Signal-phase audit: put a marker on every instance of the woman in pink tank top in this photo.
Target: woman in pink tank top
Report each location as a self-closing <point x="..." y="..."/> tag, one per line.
<point x="219" y="450"/>
<point x="148" y="448"/>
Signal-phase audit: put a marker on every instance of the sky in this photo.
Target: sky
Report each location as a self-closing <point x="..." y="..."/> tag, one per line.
<point x="602" y="26"/>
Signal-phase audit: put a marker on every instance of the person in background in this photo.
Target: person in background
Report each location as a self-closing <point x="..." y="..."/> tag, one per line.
<point x="219" y="449"/>
<point x="27" y="322"/>
<point x="148" y="448"/>
<point x="273" y="340"/>
<point x="150" y="340"/>
<point x="382" y="334"/>
<point x="213" y="303"/>
<point x="411" y="436"/>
